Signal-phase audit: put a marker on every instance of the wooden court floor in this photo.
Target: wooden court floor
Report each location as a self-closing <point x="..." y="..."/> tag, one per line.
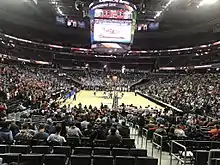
<point x="87" y="98"/>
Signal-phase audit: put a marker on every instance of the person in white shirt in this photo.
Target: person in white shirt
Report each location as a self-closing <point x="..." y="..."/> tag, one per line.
<point x="84" y="124"/>
<point x="57" y="137"/>
<point x="74" y="131"/>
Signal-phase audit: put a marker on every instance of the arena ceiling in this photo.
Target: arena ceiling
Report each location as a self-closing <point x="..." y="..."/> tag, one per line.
<point x="176" y="17"/>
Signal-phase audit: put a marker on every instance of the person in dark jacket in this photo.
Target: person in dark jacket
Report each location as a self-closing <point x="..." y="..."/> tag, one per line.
<point x="102" y="132"/>
<point x="14" y="128"/>
<point x="5" y="133"/>
<point x="25" y="135"/>
<point x="124" y="130"/>
<point x="41" y="135"/>
<point x="114" y="138"/>
<point x="141" y="123"/>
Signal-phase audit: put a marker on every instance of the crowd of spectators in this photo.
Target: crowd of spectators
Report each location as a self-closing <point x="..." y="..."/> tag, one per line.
<point x="192" y="93"/>
<point x="28" y="87"/>
<point x="34" y="87"/>
<point x="100" y="80"/>
<point x="61" y="124"/>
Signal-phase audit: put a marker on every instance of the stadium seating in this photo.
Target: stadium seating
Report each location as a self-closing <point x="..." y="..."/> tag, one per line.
<point x="128" y="160"/>
<point x="120" y="151"/>
<point x="31" y="159"/>
<point x="101" y="151"/>
<point x="99" y="160"/>
<point x="3" y="148"/>
<point x="24" y="149"/>
<point x="62" y="150"/>
<point x="138" y="152"/>
<point x="10" y="157"/>
<point x="40" y="149"/>
<point x="37" y="155"/>
<point x="80" y="160"/>
<point x="52" y="159"/>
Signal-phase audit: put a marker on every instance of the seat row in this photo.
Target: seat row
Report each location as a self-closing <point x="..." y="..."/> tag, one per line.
<point x="198" y="145"/>
<point x="25" y="149"/>
<point x="61" y="159"/>
<point x="201" y="157"/>
<point x="84" y="141"/>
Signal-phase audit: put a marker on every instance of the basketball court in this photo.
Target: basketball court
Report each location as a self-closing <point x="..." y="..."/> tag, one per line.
<point x="130" y="98"/>
<point x="87" y="98"/>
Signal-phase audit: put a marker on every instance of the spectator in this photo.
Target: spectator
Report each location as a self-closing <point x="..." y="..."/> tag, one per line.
<point x="160" y="130"/>
<point x="179" y="132"/>
<point x="171" y="134"/>
<point x="215" y="130"/>
<point x="141" y="123"/>
<point x="84" y="124"/>
<point x="41" y="134"/>
<point x="57" y="138"/>
<point x="24" y="136"/>
<point x="14" y="128"/>
<point x="114" y="138"/>
<point x="50" y="127"/>
<point x="124" y="130"/>
<point x="5" y="133"/>
<point x="101" y="132"/>
<point x="64" y="130"/>
<point x="74" y="131"/>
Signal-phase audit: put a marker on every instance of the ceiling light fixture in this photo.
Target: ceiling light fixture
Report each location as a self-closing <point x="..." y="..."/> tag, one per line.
<point x="159" y="13"/>
<point x="206" y="2"/>
<point x="59" y="11"/>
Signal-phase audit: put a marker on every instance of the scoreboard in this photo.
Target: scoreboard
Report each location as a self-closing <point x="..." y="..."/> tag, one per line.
<point x="113" y="14"/>
<point x="112" y="25"/>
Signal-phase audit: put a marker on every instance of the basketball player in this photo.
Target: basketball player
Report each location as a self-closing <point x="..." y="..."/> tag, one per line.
<point x="110" y="95"/>
<point x="74" y="96"/>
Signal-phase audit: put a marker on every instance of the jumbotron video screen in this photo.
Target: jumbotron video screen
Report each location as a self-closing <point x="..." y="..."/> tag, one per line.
<point x="112" y="26"/>
<point x="112" y="30"/>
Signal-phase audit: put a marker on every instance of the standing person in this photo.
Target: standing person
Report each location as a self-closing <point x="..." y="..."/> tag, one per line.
<point x="124" y="130"/>
<point x="74" y="96"/>
<point x="63" y="129"/>
<point x="141" y="123"/>
<point x="110" y="94"/>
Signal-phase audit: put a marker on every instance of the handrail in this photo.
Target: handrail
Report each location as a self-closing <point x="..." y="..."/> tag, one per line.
<point x="144" y="135"/>
<point x="158" y="145"/>
<point x="137" y="128"/>
<point x="210" y="155"/>
<point x="131" y="125"/>
<point x="177" y="157"/>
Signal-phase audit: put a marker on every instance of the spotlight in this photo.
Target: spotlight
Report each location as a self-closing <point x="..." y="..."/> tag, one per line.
<point x="206" y="2"/>
<point x="123" y="69"/>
